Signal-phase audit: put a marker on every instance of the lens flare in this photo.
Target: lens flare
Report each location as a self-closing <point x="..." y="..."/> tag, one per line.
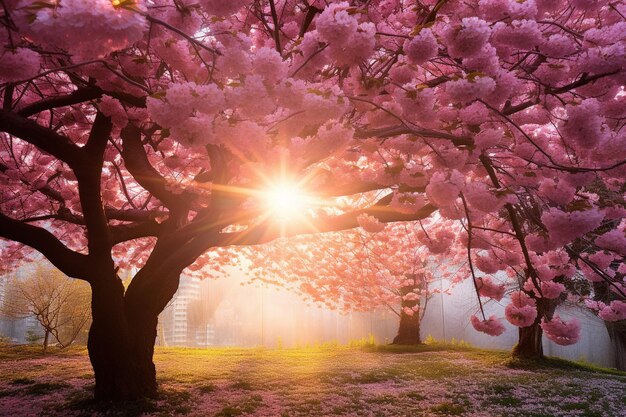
<point x="286" y="201"/>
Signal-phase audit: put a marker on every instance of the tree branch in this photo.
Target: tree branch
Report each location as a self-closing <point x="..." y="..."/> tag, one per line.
<point x="136" y="162"/>
<point x="71" y="263"/>
<point x="269" y="230"/>
<point x="45" y="139"/>
<point x="75" y="97"/>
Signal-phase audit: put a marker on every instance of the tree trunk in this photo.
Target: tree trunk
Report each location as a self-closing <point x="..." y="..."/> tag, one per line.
<point x="617" y="330"/>
<point x="120" y="353"/>
<point x="45" y="340"/>
<point x="617" y="333"/>
<point x="123" y="333"/>
<point x="409" y="328"/>
<point x="530" y="343"/>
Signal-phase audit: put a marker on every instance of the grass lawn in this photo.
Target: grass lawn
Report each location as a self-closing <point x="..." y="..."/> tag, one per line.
<point x="430" y="380"/>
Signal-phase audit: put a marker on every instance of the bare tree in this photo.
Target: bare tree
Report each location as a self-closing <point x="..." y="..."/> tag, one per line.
<point x="60" y="305"/>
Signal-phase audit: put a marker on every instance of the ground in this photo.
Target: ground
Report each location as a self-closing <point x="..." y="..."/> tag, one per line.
<point x="431" y="380"/>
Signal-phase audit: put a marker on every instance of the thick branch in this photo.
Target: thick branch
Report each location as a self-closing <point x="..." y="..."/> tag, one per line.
<point x="270" y="229"/>
<point x="136" y="162"/>
<point x="391" y="131"/>
<point x="71" y="263"/>
<point x="124" y="233"/>
<point x="45" y="139"/>
<point x="133" y="215"/>
<point x="75" y="97"/>
<point x="89" y="188"/>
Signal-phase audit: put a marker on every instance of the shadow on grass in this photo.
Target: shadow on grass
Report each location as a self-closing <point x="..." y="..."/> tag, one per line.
<point x="495" y="357"/>
<point x="169" y="402"/>
<point x="550" y="363"/>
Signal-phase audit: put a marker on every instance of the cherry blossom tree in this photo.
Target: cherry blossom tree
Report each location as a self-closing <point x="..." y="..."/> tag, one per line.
<point x="151" y="133"/>
<point x="364" y="269"/>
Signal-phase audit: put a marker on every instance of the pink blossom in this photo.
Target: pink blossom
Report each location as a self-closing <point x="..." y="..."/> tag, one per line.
<point x="87" y="29"/>
<point x="488" y="288"/>
<point x="112" y="108"/>
<point x="20" y="64"/>
<point x="335" y="24"/>
<point x="421" y="47"/>
<point x="558" y="45"/>
<point x="349" y="41"/>
<point x="441" y="191"/>
<point x="489" y="264"/>
<point x="561" y="332"/>
<point x="370" y="223"/>
<point x="464" y="90"/>
<point x="559" y="192"/>
<point x="488" y="137"/>
<point x="549" y="289"/>
<point x="481" y="197"/>
<point x="407" y="202"/>
<point x="613" y="312"/>
<point x="614" y="240"/>
<point x="437" y="242"/>
<point x="469" y="39"/>
<point x="583" y="126"/>
<point x="269" y="64"/>
<point x="567" y="226"/>
<point x="491" y="326"/>
<point x="408" y="311"/>
<point x="220" y="7"/>
<point x="520" y="34"/>
<point x="521" y="312"/>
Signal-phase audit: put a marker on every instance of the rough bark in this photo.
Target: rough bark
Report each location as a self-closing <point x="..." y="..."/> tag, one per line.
<point x="409" y="327"/>
<point x="121" y="359"/>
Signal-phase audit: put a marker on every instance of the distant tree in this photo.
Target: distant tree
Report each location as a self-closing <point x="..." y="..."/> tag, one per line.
<point x="374" y="266"/>
<point x="60" y="305"/>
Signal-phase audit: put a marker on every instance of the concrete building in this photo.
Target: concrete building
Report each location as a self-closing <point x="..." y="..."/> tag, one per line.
<point x="173" y="321"/>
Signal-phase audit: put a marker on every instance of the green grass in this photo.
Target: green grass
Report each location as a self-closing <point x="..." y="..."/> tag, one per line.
<point x="434" y="379"/>
<point x="13" y="352"/>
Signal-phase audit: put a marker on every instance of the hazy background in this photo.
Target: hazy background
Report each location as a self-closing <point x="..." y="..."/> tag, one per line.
<point x="228" y="311"/>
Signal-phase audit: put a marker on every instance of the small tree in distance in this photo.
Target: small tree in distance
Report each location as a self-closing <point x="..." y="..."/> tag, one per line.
<point x="364" y="269"/>
<point x="59" y="304"/>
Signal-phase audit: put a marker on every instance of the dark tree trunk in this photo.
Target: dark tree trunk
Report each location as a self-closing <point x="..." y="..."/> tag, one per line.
<point x="45" y="340"/>
<point x="530" y="343"/>
<point x="123" y="333"/>
<point x="409" y="328"/>
<point x="121" y="356"/>
<point x="616" y="330"/>
<point x="617" y="333"/>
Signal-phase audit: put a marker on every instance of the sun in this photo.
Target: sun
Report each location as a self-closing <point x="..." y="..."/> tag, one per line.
<point x="285" y="201"/>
